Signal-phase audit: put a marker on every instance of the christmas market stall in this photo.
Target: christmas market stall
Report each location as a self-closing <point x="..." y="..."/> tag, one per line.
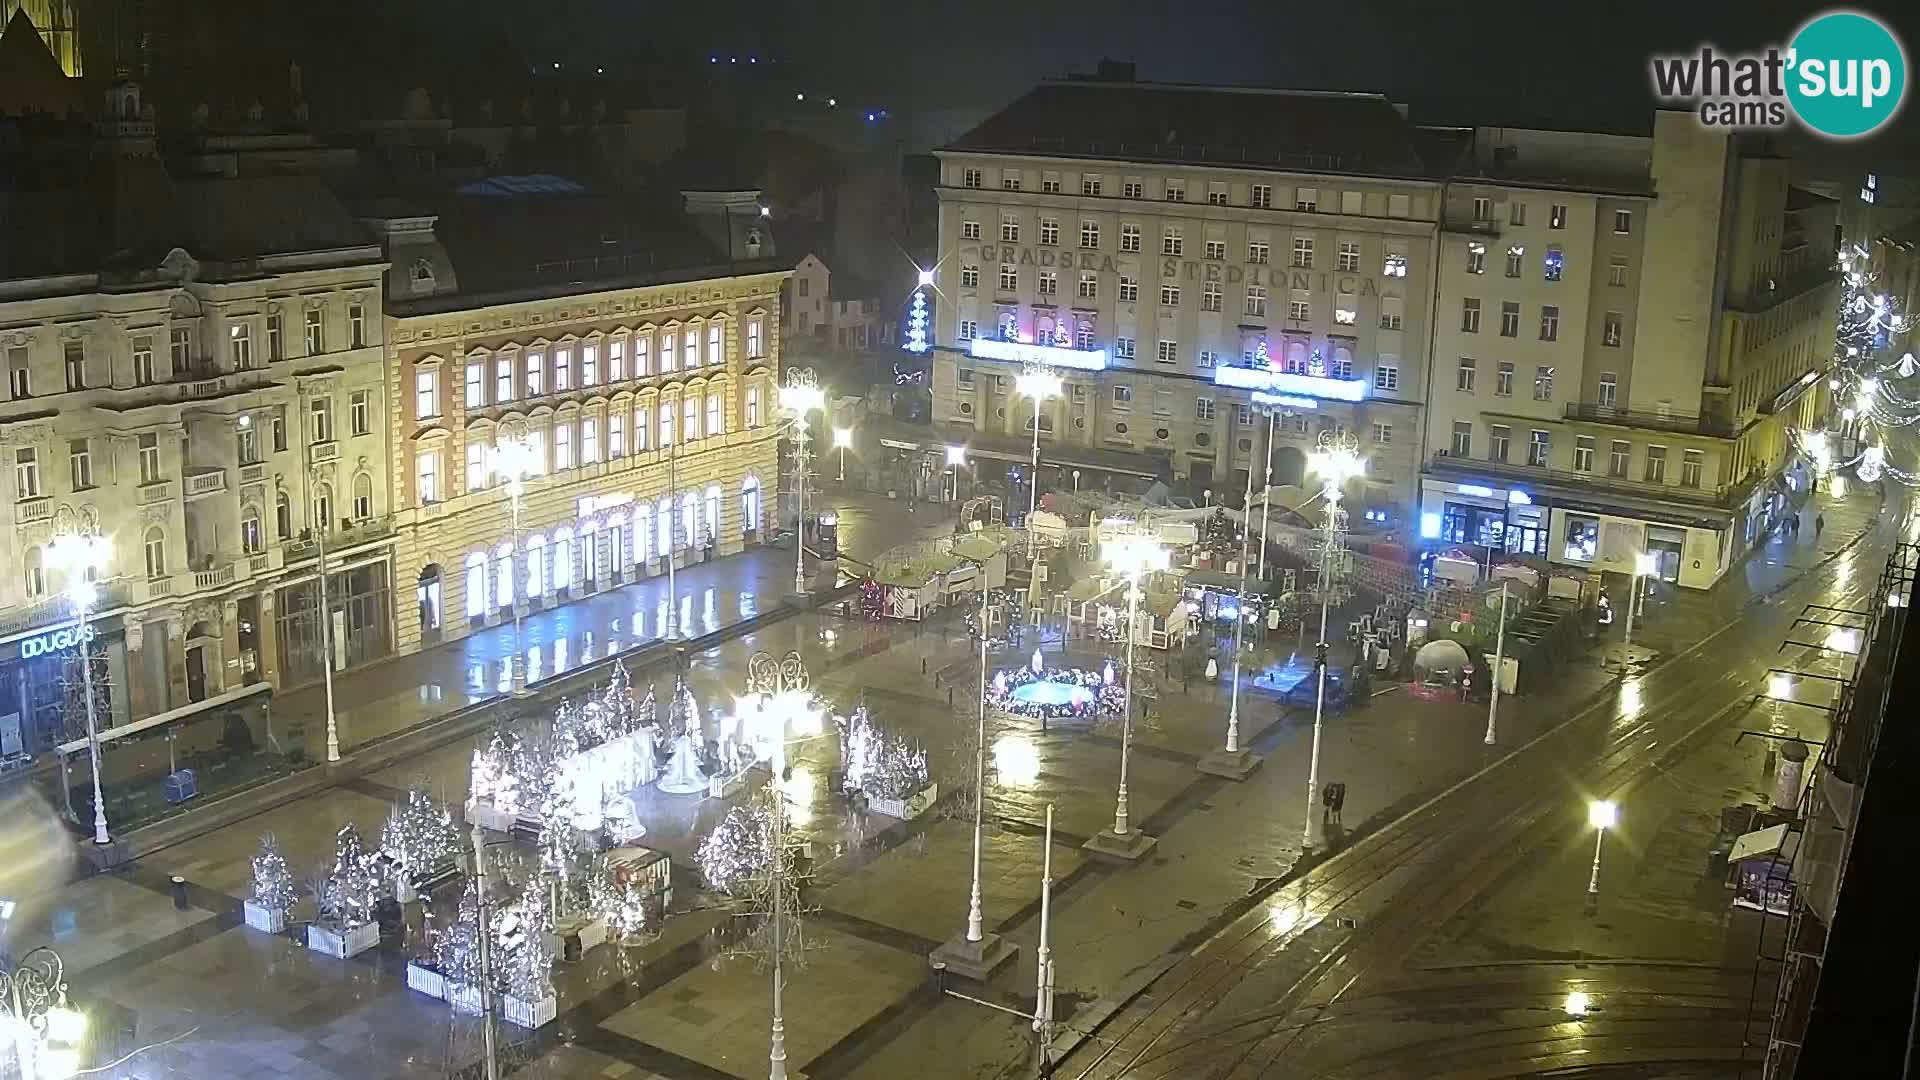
<point x="914" y="580"/>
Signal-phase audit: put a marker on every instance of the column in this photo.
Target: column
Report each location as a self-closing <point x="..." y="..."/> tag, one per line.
<point x="232" y="673"/>
<point x="269" y="635"/>
<point x="138" y="703"/>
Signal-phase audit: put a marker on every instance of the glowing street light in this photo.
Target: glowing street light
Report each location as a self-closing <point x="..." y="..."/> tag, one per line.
<point x="1644" y="565"/>
<point x="956" y="457"/>
<point x="46" y="1031"/>
<point x="1336" y="461"/>
<point x="842" y="438"/>
<point x="1038" y="383"/>
<point x="1133" y="552"/>
<point x="1602" y="814"/>
<point x="81" y="558"/>
<point x="801" y="395"/>
<point x="514" y="458"/>
<point x="1577" y="1004"/>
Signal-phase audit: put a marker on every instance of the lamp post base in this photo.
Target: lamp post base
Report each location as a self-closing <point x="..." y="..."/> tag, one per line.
<point x="1233" y="765"/>
<point x="1112" y="847"/>
<point x="1626" y="658"/>
<point x="976" y="960"/>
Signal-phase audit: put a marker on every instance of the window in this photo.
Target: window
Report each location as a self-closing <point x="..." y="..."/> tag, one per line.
<point x="1089" y="234"/>
<point x="26" y="473"/>
<point x="1206" y="358"/>
<point x="969" y="329"/>
<point x="476" y="383"/>
<point x="1260" y="196"/>
<point x="1123" y="397"/>
<point x="969" y="230"/>
<point x="1692" y="462"/>
<point x="562" y="445"/>
<point x="357" y="324"/>
<point x="590" y="364"/>
<point x="1010" y="181"/>
<point x="1483" y="209"/>
<point x="1583" y="453"/>
<point x="1470" y="315"/>
<point x="1171" y="242"/>
<point x="316" y="331"/>
<point x="251" y="537"/>
<point x="1306" y="199"/>
<point x="1303" y="252"/>
<point x="1394" y="264"/>
<point x="1299" y="308"/>
<point x="1549" y="323"/>
<point x="426" y="476"/>
<point x="1463" y="378"/>
<point x="1609" y="388"/>
<point x="616" y="435"/>
<point x="179" y="349"/>
<point x="1009" y="230"/>
<point x="1554" y="264"/>
<point x="1509" y="319"/>
<point x="478" y="475"/>
<point x="970" y="178"/>
<point x="1203" y="409"/>
<point x="320" y="420"/>
<point x="80" y="464"/>
<point x="691" y="359"/>
<point x="143" y="370"/>
<point x="503" y="380"/>
<point x="1346" y="309"/>
<point x="1129" y="238"/>
<point x="1210" y="294"/>
<point x="362" y="497"/>
<point x="1619" y="456"/>
<point x="1462" y="438"/>
<point x="1351" y="202"/>
<point x="536" y="374"/>
<point x="1656" y="464"/>
<point x="1089" y="288"/>
<point x="1617" y="271"/>
<point x="75" y="355"/>
<point x="1133" y="189"/>
<point x="1168" y="352"/>
<point x="1348" y="261"/>
<point x="283" y="516"/>
<point x="1499" y="437"/>
<point x="1476" y="258"/>
<point x="1583" y="538"/>
<point x="1610" y="329"/>
<point x="1257" y="300"/>
<point x="426" y="393"/>
<point x="716" y="416"/>
<point x="1516" y="254"/>
<point x="240" y="345"/>
<point x="1543" y="383"/>
<point x="1386" y="376"/>
<point x="1258" y="252"/>
<point x="1049" y="231"/>
<point x="690" y="418"/>
<point x="643" y="424"/>
<point x="156" y="552"/>
<point x="1049" y="283"/>
<point x="755" y="338"/>
<point x="1623" y="221"/>
<point x="1163" y="403"/>
<point x="1539" y="448"/>
<point x="589" y="440"/>
<point x="1243" y="415"/>
<point x="1503" y="380"/>
<point x="1050" y="184"/>
<point x="1083" y="336"/>
<point x="1089" y="185"/>
<point x="1382" y="434"/>
<point x="1216" y="194"/>
<point x="1129" y="288"/>
<point x="149" y="455"/>
<point x="1517" y="212"/>
<point x="1009" y="278"/>
<point x="666" y="424"/>
<point x="1169" y="296"/>
<point x="1216" y="249"/>
<point x="279" y="428"/>
<point x="1176" y="191"/>
<point x="360" y="412"/>
<point x="1557" y="217"/>
<point x="1123" y="347"/>
<point x="276" y="338"/>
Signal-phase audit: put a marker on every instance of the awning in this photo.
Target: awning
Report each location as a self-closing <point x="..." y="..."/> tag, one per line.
<point x="1765" y="843"/>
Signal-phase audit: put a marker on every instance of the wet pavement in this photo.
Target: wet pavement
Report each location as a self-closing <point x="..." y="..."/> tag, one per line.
<point x="237" y="1002"/>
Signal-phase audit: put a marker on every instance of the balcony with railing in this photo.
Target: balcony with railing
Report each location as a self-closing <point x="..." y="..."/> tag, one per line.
<point x="28" y="511"/>
<point x="307" y="546"/>
<point x="159" y="491"/>
<point x="53" y="608"/>
<point x="1682" y="423"/>
<point x="204" y="481"/>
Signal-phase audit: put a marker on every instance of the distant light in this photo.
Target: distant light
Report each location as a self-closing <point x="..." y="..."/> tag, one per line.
<point x="246" y="421"/>
<point x="1477" y="490"/>
<point x="1577" y="1003"/>
<point x="870" y="118"/>
<point x="1429" y="526"/>
<point x="753" y="59"/>
<point x="713" y="59"/>
<point x="799" y="97"/>
<point x="926" y="277"/>
<point x="1601" y="814"/>
<point x="766" y="211"/>
<point x="832" y="102"/>
<point x="1780" y="686"/>
<point x="1519" y="498"/>
<point x="556" y="65"/>
<point x="599" y="71"/>
<point x="1645" y="565"/>
<point x="1844" y="640"/>
<point x="956" y="455"/>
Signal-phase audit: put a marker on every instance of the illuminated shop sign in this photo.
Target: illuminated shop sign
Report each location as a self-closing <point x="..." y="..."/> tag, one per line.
<point x="1020" y="352"/>
<point x="1286" y="382"/>
<point x="1286" y="401"/>
<point x="54" y="641"/>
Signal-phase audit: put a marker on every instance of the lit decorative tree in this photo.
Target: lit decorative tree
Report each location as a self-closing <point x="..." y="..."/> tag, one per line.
<point x="917" y="341"/>
<point x="738" y="849"/>
<point x="272" y="879"/>
<point x="356" y="883"/>
<point x="420" y="833"/>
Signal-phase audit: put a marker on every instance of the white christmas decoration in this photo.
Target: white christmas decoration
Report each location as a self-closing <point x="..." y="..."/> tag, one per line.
<point x="881" y="766"/>
<point x="272" y="879"/>
<point x="356" y="883"/>
<point x="737" y="850"/>
<point x="917" y="323"/>
<point x="420" y="834"/>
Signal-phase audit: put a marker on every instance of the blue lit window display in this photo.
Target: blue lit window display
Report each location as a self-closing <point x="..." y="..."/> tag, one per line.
<point x="1463" y="523"/>
<point x="1301" y="373"/>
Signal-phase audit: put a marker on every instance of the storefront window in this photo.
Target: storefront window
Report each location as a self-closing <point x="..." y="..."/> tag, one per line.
<point x="1583" y="538"/>
<point x="1464" y="523"/>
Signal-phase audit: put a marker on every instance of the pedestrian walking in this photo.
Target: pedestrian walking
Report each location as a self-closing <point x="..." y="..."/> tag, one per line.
<point x="1339" y="799"/>
<point x="1819" y="523"/>
<point x="1326" y="803"/>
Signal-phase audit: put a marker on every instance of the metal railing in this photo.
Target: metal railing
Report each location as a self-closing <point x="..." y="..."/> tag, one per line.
<point x="1686" y="423"/>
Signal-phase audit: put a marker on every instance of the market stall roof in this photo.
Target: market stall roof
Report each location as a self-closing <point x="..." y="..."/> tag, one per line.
<point x="1226" y="582"/>
<point x="920" y="562"/>
<point x="1440" y="655"/>
<point x="1765" y="843"/>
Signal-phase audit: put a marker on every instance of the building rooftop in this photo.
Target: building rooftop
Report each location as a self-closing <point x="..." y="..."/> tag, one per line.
<point x="1304" y="131"/>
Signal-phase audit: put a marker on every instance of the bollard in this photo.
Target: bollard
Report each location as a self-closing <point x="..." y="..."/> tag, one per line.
<point x="923" y="665"/>
<point x="949" y="697"/>
<point x="938" y="978"/>
<point x="179" y="892"/>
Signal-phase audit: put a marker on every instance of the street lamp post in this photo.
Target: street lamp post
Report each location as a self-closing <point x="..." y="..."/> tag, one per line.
<point x="1235" y="763"/>
<point x="1038" y="383"/>
<point x="1643" y="565"/>
<point x="514" y="458"/>
<point x="1499" y="658"/>
<point x="800" y="396"/>
<point x="956" y="457"/>
<point x="1132" y="551"/>
<point x="320" y="528"/>
<point x="80" y="559"/>
<point x="1266" y="490"/>
<point x="45" y="1030"/>
<point x="1601" y="814"/>
<point x="1336" y="461"/>
<point x="842" y="438"/>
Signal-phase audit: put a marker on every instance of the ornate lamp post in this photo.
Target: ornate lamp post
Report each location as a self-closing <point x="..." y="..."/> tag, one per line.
<point x="799" y="396"/>
<point x="1336" y="461"/>
<point x="514" y="458"/>
<point x="1039" y="383"/>
<point x="1234" y="762"/>
<point x="81" y="557"/>
<point x="44" y="1029"/>
<point x="1133" y="552"/>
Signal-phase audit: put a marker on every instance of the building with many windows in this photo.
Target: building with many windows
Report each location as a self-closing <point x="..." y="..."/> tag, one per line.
<point x="1626" y="328"/>
<point x="644" y="384"/>
<point x="194" y="371"/>
<point x="1186" y="256"/>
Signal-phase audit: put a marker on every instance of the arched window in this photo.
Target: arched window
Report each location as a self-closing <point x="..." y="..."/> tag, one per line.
<point x="323" y="506"/>
<point x="362" y="497"/>
<point x="476" y="584"/>
<point x="156" y="553"/>
<point x="562" y="557"/>
<point x="421" y="274"/>
<point x="713" y="514"/>
<point x="642" y="532"/>
<point x="1296" y="358"/>
<point x="750" y="504"/>
<point x="503" y="574"/>
<point x="283" y="516"/>
<point x="536" y="565"/>
<point x="36" y="561"/>
<point x="251" y="537"/>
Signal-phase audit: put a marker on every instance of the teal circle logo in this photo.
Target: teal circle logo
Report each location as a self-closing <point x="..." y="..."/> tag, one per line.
<point x="1847" y="74"/>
